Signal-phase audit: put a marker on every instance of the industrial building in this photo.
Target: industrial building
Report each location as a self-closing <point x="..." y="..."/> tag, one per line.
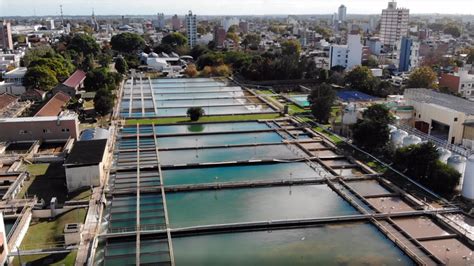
<point x="443" y="116"/>
<point x="85" y="164"/>
<point x="39" y="128"/>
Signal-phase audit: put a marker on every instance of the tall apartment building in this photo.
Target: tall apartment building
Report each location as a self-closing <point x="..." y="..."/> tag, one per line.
<point x="342" y="13"/>
<point x="219" y="36"/>
<point x="191" y="29"/>
<point x="6" y="41"/>
<point x="175" y="23"/>
<point x="349" y="55"/>
<point x="394" y="25"/>
<point x="159" y="23"/>
<point x="409" y="55"/>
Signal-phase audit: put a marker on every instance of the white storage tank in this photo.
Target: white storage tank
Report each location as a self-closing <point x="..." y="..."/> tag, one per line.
<point x="444" y="154"/>
<point x="397" y="137"/>
<point x="458" y="162"/>
<point x="410" y="140"/>
<point x="391" y="128"/>
<point x="468" y="180"/>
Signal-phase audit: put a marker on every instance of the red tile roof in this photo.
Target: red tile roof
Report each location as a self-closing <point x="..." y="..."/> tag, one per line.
<point x="75" y="79"/>
<point x="7" y="99"/>
<point x="55" y="105"/>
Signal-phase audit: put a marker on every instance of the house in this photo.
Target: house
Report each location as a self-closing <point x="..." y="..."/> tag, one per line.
<point x="60" y="127"/>
<point x="72" y="85"/>
<point x="459" y="82"/>
<point x="85" y="164"/>
<point x="13" y="81"/>
<point x="55" y="105"/>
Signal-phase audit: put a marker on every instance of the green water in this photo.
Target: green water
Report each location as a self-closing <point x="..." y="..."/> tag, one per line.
<point x="353" y="244"/>
<point x="238" y="173"/>
<point x="226" y="154"/>
<point x="254" y="204"/>
<point x="217" y="140"/>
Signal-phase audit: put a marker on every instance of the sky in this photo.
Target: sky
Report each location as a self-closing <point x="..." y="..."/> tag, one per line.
<point x="224" y="7"/>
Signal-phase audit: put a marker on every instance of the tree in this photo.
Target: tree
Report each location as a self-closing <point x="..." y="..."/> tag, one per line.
<point x="104" y="59"/>
<point x="291" y="47"/>
<point x="360" y="78"/>
<point x="194" y="113"/>
<point x="371" y="62"/>
<point x="121" y="65"/>
<point x="453" y="30"/>
<point x="199" y="50"/>
<point x="175" y="39"/>
<point x="423" y="77"/>
<point x="37" y="52"/>
<point x="252" y="40"/>
<point x="84" y="43"/>
<point x="321" y="99"/>
<point x="127" y="42"/>
<point x="206" y="71"/>
<point x="62" y="68"/>
<point x="372" y="132"/>
<point x="421" y="163"/>
<point x="191" y="71"/>
<point x="233" y="36"/>
<point x="40" y="77"/>
<point x="223" y="71"/>
<point x="99" y="78"/>
<point x="103" y="101"/>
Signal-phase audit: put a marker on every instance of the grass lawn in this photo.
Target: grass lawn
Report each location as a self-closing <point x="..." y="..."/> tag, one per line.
<point x="334" y="138"/>
<point x="34" y="170"/>
<point x="171" y="120"/>
<point x="82" y="194"/>
<point x="296" y="109"/>
<point x="44" y="233"/>
<point x="53" y="259"/>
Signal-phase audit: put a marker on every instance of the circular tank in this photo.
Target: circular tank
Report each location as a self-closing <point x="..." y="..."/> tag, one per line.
<point x="397" y="137"/>
<point x="410" y="140"/>
<point x="458" y="162"/>
<point x="468" y="180"/>
<point x="444" y="154"/>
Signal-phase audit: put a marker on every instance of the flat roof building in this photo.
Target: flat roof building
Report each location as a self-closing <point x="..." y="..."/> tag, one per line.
<point x="443" y="116"/>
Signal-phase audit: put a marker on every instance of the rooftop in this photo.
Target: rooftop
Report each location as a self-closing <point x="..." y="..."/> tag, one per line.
<point x="88" y="152"/>
<point x="17" y="72"/>
<point x="441" y="99"/>
<point x="75" y="79"/>
<point x="55" y="105"/>
<point x="6" y="99"/>
<point x="63" y="117"/>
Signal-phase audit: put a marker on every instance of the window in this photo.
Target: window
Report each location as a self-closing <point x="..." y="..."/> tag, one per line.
<point x="455" y="119"/>
<point x="65" y="130"/>
<point x="22" y="132"/>
<point x="46" y="130"/>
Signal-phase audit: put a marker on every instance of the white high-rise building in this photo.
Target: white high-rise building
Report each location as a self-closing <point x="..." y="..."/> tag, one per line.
<point x="393" y="25"/>
<point x="191" y="29"/>
<point x="347" y="56"/>
<point x="342" y="13"/>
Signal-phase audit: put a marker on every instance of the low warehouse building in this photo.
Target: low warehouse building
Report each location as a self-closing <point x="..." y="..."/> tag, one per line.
<point x="85" y="164"/>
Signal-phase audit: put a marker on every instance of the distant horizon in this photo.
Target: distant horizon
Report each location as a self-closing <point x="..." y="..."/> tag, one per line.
<point x="51" y="8"/>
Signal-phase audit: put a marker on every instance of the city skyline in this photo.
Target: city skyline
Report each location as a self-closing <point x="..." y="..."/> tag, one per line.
<point x="224" y="7"/>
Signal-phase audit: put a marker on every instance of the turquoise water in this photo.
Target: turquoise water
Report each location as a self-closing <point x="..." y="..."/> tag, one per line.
<point x="200" y="102"/>
<point x="352" y="244"/>
<point x="238" y="173"/>
<point x="215" y="110"/>
<point x="215" y="140"/>
<point x="254" y="204"/>
<point x="226" y="154"/>
<point x="214" y="127"/>
<point x="301" y="100"/>
<point x="123" y="253"/>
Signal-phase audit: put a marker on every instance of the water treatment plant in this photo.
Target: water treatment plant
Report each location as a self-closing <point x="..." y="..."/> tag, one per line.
<point x="267" y="192"/>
